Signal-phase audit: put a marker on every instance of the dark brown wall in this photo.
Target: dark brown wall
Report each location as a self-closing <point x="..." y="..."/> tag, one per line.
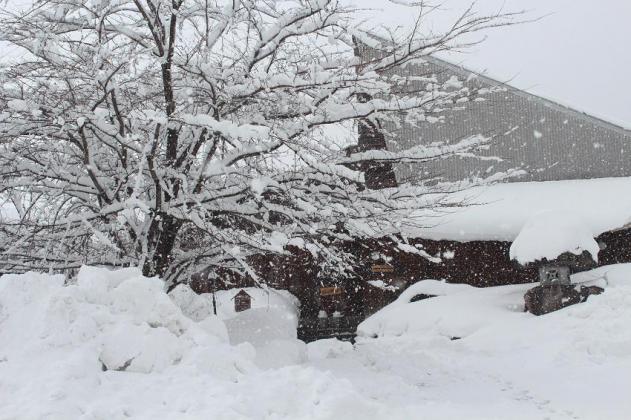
<point x="617" y="247"/>
<point x="478" y="263"/>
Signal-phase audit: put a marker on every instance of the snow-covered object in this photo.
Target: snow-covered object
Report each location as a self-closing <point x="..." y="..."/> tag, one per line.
<point x="268" y="327"/>
<point x="457" y="310"/>
<point x="463" y="311"/>
<point x="328" y="349"/>
<point x="552" y="233"/>
<point x="262" y="325"/>
<point x="272" y="332"/>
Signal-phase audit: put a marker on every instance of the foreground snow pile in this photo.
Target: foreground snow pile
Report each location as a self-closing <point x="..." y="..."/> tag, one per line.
<point x="127" y="321"/>
<point x="55" y="341"/>
<point x="114" y="345"/>
<point x="551" y="233"/>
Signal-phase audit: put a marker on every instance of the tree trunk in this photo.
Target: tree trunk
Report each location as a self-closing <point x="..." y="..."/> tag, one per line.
<point x="163" y="234"/>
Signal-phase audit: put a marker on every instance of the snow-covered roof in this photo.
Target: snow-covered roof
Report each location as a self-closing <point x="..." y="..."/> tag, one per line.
<point x="499" y="212"/>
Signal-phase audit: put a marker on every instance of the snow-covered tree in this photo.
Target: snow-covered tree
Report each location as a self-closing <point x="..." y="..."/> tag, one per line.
<point x="182" y="134"/>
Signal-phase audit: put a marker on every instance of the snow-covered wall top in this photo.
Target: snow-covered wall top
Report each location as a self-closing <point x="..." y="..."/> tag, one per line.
<point x="549" y="234"/>
<point x="499" y="212"/>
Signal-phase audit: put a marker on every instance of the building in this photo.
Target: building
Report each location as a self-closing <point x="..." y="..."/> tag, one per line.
<point x="543" y="140"/>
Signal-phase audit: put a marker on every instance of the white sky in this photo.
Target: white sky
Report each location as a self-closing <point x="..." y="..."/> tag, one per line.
<point x="578" y="54"/>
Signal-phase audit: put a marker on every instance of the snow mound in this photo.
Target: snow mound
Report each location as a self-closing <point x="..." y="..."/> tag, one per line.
<point x="463" y="311"/>
<point x="62" y="337"/>
<point x="552" y="233"/>
<point x="458" y="310"/>
<point x="272" y="332"/>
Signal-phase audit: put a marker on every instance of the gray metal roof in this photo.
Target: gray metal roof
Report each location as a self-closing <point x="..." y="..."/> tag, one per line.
<point x="465" y="73"/>
<point x="548" y="140"/>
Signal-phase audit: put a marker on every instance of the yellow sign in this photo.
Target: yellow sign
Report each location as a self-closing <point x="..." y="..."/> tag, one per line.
<point x="382" y="268"/>
<point x="330" y="291"/>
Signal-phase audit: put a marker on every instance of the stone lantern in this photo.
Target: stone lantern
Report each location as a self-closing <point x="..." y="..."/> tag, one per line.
<point x="556" y="290"/>
<point x="558" y="270"/>
<point x="557" y="244"/>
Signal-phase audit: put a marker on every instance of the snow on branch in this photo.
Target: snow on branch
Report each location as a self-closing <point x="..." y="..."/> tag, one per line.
<point x="184" y="134"/>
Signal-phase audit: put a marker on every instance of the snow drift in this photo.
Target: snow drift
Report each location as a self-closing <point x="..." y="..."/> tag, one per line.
<point x="117" y="320"/>
<point x="114" y="345"/>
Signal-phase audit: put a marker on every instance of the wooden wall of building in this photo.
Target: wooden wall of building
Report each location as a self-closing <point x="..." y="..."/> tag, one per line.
<point x="478" y="263"/>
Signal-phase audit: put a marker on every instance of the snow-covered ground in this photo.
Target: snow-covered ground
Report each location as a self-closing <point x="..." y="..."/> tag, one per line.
<point x="56" y="340"/>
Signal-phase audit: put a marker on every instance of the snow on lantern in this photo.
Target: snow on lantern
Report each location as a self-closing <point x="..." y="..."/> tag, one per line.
<point x="557" y="244"/>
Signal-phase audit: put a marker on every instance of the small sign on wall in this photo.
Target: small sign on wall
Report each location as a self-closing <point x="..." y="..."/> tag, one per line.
<point x="382" y="268"/>
<point x="330" y="291"/>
